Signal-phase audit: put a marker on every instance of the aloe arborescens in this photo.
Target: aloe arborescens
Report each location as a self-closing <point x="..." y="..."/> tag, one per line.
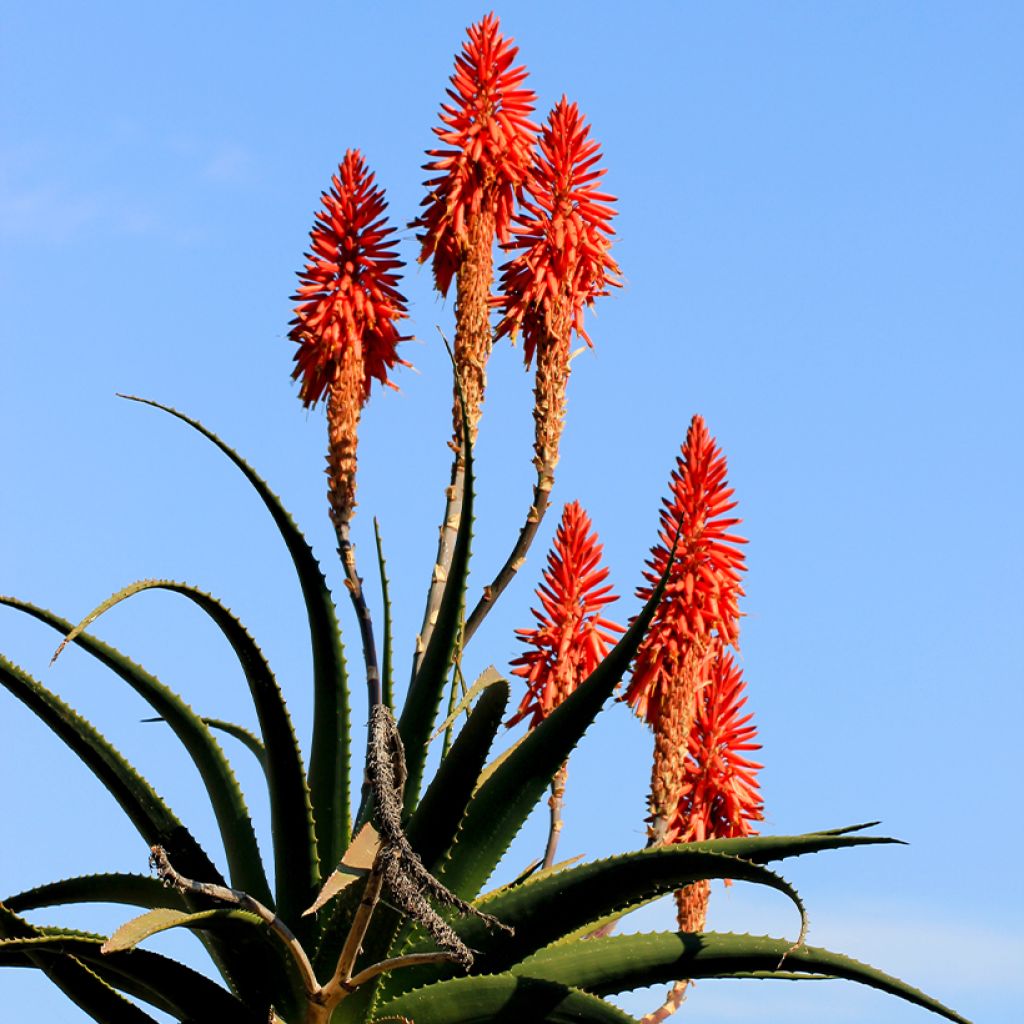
<point x="378" y="911"/>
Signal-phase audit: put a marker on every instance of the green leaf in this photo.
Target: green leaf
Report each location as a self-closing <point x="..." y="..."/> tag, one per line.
<point x="553" y="904"/>
<point x="387" y="668"/>
<point x="132" y="932"/>
<point x="133" y="890"/>
<point x="436" y="819"/>
<point x="606" y="966"/>
<point x="764" y="849"/>
<point x="502" y="999"/>
<point x="248" y="739"/>
<point x="236" y="830"/>
<point x="329" y="754"/>
<point x="82" y="986"/>
<point x="160" y="981"/>
<point x="502" y="803"/>
<point x="153" y="819"/>
<point x="424" y="698"/>
<point x="296" y="869"/>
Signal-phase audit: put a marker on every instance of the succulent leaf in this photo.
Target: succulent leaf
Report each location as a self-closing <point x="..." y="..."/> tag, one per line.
<point x="502" y="997"/>
<point x="296" y="868"/>
<point x="132" y="932"/>
<point x="237" y="834"/>
<point x="158" y="980"/>
<point x="152" y="818"/>
<point x="328" y="776"/>
<point x="618" y="964"/>
<point x="82" y="986"/>
<point x="386" y="667"/>
<point x="134" y="890"/>
<point x="502" y="803"/>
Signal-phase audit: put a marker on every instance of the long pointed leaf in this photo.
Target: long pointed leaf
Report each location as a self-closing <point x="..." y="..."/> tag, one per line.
<point x="502" y="999"/>
<point x="237" y="834"/>
<point x="502" y="803"/>
<point x="158" y="980"/>
<point x="329" y="753"/>
<point x="152" y="818"/>
<point x="133" y="890"/>
<point x="544" y="909"/>
<point x="387" y="674"/>
<point x="87" y="991"/>
<point x="132" y="932"/>
<point x="606" y="966"/>
<point x="436" y="819"/>
<point x="296" y="869"/>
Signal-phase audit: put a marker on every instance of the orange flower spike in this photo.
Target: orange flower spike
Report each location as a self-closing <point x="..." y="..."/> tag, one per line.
<point x="348" y="291"/>
<point x="572" y="634"/>
<point x="489" y="141"/>
<point x="345" y="323"/>
<point x="721" y="796"/>
<point x="700" y="608"/>
<point x="565" y="237"/>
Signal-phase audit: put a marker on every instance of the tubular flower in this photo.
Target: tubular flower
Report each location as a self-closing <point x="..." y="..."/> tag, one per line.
<point x="488" y="139"/>
<point x="348" y="296"/>
<point x="572" y="634"/>
<point x="699" y="610"/>
<point x="565" y="237"/>
<point x="720" y="797"/>
<point x="345" y="321"/>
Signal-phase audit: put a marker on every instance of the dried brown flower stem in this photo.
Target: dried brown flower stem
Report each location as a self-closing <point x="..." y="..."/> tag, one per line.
<point x="164" y="868"/>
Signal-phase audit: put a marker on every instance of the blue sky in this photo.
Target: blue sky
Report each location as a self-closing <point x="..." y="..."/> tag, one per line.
<point x="821" y="215"/>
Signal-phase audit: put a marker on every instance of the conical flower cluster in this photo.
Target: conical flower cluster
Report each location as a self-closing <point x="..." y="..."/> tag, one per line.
<point x="720" y="796"/>
<point x="572" y="635"/>
<point x="345" y="323"/>
<point x="564" y="236"/>
<point x="700" y="607"/>
<point x="348" y="291"/>
<point x="487" y="138"/>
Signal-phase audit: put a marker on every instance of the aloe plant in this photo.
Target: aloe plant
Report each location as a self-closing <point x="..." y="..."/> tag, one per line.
<point x="377" y="910"/>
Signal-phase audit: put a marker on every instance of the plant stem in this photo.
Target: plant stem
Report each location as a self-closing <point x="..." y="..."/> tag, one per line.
<point x="515" y="560"/>
<point x="555" y="803"/>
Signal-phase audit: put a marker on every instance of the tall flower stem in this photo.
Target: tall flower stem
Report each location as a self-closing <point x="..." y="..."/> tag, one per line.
<point x="343" y="413"/>
<point x="555" y="804"/>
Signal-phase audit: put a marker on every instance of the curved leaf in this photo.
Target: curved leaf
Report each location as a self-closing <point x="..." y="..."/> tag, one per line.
<point x="544" y="909"/>
<point x="237" y="834"/>
<point x="248" y="739"/>
<point x="328" y="777"/>
<point x="502" y="803"/>
<point x="435" y="821"/>
<point x="152" y="818"/>
<point x="502" y="999"/>
<point x="296" y="869"/>
<point x="424" y="697"/>
<point x="134" y="890"/>
<point x="621" y="963"/>
<point x="81" y="985"/>
<point x="158" y="980"/>
<point x="132" y="932"/>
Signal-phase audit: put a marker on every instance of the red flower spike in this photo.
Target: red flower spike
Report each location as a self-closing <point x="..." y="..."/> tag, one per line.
<point x="572" y="635"/>
<point x="700" y="609"/>
<point x="720" y="796"/>
<point x="348" y="295"/>
<point x="565" y="236"/>
<point x="489" y="139"/>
